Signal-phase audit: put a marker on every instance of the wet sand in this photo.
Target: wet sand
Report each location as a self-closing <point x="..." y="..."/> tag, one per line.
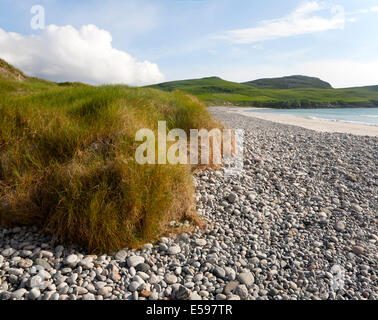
<point x="317" y="125"/>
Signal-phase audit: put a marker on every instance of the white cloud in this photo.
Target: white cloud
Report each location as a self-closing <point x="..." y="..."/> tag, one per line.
<point x="301" y="21"/>
<point x="68" y="54"/>
<point x="374" y="9"/>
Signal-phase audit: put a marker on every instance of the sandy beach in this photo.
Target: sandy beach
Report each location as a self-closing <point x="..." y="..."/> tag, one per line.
<point x="317" y="125"/>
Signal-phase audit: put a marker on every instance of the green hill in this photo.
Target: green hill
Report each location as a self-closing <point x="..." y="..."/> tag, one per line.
<point x="291" y="82"/>
<point x="216" y="91"/>
<point x="67" y="161"/>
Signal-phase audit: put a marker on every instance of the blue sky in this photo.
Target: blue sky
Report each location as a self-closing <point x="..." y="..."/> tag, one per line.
<point x="156" y="40"/>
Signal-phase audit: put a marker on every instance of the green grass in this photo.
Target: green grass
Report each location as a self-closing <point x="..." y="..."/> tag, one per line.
<point x="291" y="82"/>
<point x="215" y="91"/>
<point x="67" y="162"/>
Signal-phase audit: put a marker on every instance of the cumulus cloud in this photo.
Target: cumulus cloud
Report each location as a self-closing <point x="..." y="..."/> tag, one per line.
<point x="68" y="54"/>
<point x="303" y="20"/>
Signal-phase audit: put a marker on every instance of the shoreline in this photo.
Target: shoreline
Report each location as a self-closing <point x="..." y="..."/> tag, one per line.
<point x="312" y="124"/>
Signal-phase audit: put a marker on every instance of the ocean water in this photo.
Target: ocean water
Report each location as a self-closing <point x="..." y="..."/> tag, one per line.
<point x="367" y="116"/>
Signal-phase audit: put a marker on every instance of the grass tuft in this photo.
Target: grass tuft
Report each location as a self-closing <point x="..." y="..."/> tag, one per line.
<point x="67" y="162"/>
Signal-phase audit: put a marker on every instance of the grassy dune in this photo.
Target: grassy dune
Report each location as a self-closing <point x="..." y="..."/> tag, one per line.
<point x="216" y="91"/>
<point x="67" y="161"/>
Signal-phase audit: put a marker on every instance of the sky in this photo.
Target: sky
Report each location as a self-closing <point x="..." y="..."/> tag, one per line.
<point x="140" y="42"/>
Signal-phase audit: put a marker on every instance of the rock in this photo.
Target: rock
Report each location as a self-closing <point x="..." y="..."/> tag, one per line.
<point x="198" y="277"/>
<point x="163" y="247"/>
<point x="154" y="296"/>
<point x="43" y="263"/>
<point x="87" y="263"/>
<point x="232" y="197"/>
<point x="144" y="267"/>
<point x="34" y="294"/>
<point x="273" y="292"/>
<point x="148" y="246"/>
<point x="25" y="263"/>
<point x="134" y="286"/>
<point x="219" y="272"/>
<point x="80" y="291"/>
<point x="230" y="287"/>
<point x="114" y="274"/>
<point x="322" y="217"/>
<point x="35" y="281"/>
<point x="7" y="252"/>
<point x="174" y="250"/>
<point x="293" y="285"/>
<point x="133" y="261"/>
<point x="178" y="271"/>
<point x="246" y="278"/>
<point x="145" y="293"/>
<point x="100" y="284"/>
<point x="242" y="291"/>
<point x="121" y="255"/>
<point x="340" y="226"/>
<point x="356" y="208"/>
<point x="18" y="294"/>
<point x="71" y="260"/>
<point x="44" y="275"/>
<point x="89" y="296"/>
<point x="4" y="295"/>
<point x="358" y="250"/>
<point x="15" y="272"/>
<point x="195" y="297"/>
<point x="104" y="291"/>
<point x="170" y="279"/>
<point x="183" y="293"/>
<point x="220" y="296"/>
<point x="200" y="242"/>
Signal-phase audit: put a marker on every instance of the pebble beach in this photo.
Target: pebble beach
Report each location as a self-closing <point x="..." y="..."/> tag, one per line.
<point x="298" y="223"/>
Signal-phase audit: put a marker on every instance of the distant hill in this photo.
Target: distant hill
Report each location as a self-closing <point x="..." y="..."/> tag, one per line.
<point x="290" y="82"/>
<point x="203" y="85"/>
<point x="304" y="92"/>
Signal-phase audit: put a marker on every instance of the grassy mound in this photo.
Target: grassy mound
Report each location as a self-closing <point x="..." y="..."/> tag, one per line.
<point x="7" y="71"/>
<point x="67" y="162"/>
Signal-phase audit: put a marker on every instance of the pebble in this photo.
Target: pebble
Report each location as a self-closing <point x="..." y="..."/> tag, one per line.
<point x="133" y="261"/>
<point x="246" y="278"/>
<point x="358" y="250"/>
<point x="71" y="260"/>
<point x="219" y="272"/>
<point x="174" y="250"/>
<point x="34" y="294"/>
<point x="340" y="226"/>
<point x="170" y="279"/>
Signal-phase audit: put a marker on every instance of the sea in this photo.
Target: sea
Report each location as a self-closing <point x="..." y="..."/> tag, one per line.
<point x="366" y="116"/>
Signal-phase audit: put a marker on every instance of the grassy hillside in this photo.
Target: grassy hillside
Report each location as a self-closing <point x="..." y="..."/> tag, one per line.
<point x="291" y="82"/>
<point x="215" y="91"/>
<point x="67" y="161"/>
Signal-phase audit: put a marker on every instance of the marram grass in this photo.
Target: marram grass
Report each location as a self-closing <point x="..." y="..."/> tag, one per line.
<point x="67" y="162"/>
